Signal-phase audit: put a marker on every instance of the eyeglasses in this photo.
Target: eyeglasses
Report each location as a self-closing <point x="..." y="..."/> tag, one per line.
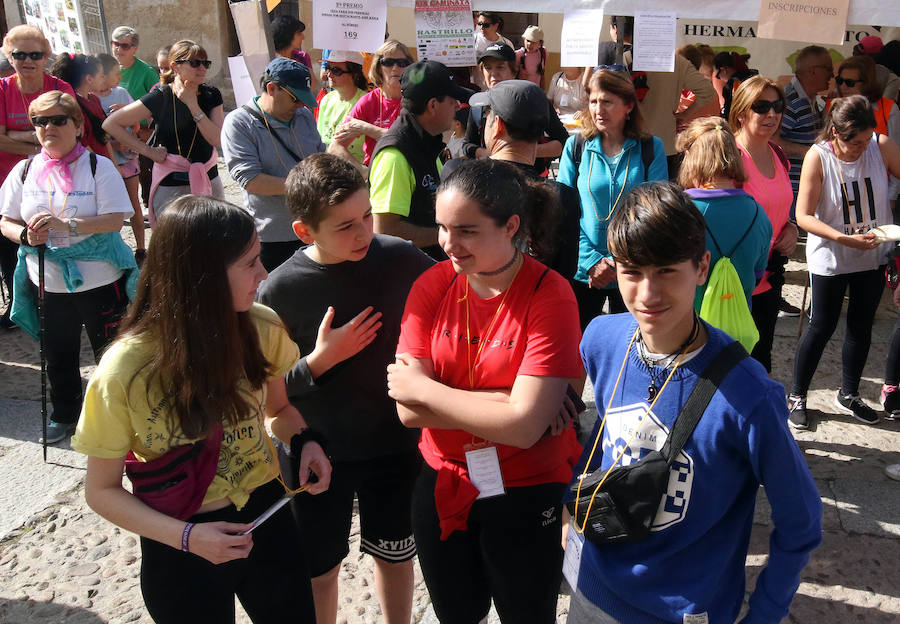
<point x="294" y="99"/>
<point x="335" y="71"/>
<point x="21" y="56"/>
<point x="762" y="107"/>
<point x="56" y="120"/>
<point x="484" y="24"/>
<point x="850" y="82"/>
<point x="121" y="44"/>
<point x="391" y="62"/>
<point x="195" y="63"/>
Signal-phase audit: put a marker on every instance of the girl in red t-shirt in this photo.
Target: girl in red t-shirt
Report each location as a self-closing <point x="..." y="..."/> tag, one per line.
<point x="489" y="340"/>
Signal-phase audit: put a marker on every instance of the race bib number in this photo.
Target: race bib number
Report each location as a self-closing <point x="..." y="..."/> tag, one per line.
<point x="484" y="471"/>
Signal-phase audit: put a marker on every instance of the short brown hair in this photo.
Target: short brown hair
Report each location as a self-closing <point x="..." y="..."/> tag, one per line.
<point x="750" y="91"/>
<point x="184" y="49"/>
<point x="318" y="182"/>
<point x="847" y="117"/>
<point x="657" y="225"/>
<point x="866" y="67"/>
<point x="691" y="53"/>
<point x="710" y="152"/>
<point x="388" y="47"/>
<point x="45" y="101"/>
<point x="619" y="85"/>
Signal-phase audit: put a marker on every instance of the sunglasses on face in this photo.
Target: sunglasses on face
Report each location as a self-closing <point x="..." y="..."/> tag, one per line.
<point x="195" y="63"/>
<point x="56" y="120"/>
<point x="484" y="24"/>
<point x="850" y="82"/>
<point x="121" y="44"/>
<point x="336" y="71"/>
<point x="21" y="56"/>
<point x="391" y="62"/>
<point x="762" y="107"/>
<point x="294" y="99"/>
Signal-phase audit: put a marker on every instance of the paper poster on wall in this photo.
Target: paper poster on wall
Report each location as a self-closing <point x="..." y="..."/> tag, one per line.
<point x="356" y="25"/>
<point x="580" y="37"/>
<point x="61" y="23"/>
<point x="813" y="21"/>
<point x="444" y="32"/>
<point x="654" y="41"/>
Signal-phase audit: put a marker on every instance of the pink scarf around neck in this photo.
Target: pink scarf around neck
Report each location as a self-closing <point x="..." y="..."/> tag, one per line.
<point x="59" y="168"/>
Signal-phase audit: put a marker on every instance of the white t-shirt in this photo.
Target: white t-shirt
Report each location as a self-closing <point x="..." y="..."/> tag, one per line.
<point x="90" y="197"/>
<point x="867" y="187"/>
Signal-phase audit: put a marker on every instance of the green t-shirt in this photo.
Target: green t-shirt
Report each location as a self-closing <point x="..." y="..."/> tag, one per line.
<point x="391" y="182"/>
<point x="332" y="113"/>
<point x="138" y="79"/>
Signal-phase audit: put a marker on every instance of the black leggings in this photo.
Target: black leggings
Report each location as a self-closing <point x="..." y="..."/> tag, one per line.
<point x="510" y="552"/>
<point x="591" y="301"/>
<point x="765" y="315"/>
<point x="827" y="297"/>
<point x="271" y="583"/>
<point x="892" y="366"/>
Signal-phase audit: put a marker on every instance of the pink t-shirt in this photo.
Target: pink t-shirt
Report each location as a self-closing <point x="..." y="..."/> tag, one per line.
<point x="530" y="69"/>
<point x="14" y="111"/>
<point x="774" y="195"/>
<point x="377" y="110"/>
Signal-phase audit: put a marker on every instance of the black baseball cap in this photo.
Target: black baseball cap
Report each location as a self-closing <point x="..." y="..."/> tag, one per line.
<point x="499" y="51"/>
<point x="424" y="80"/>
<point x="520" y="103"/>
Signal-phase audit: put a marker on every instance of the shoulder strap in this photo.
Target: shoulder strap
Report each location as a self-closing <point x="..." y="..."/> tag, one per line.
<point x="647" y="155"/>
<point x="782" y="157"/>
<point x="93" y="158"/>
<point x="750" y="227"/>
<point x="696" y="404"/>
<point x="258" y="116"/>
<point x="715" y="242"/>
<point x="541" y="279"/>
<point x="577" y="150"/>
<point x="27" y="166"/>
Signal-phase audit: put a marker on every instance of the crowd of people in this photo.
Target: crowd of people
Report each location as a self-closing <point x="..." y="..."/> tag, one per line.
<point x="409" y="323"/>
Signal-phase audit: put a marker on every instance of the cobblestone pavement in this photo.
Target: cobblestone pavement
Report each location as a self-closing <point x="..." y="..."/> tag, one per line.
<point x="60" y="562"/>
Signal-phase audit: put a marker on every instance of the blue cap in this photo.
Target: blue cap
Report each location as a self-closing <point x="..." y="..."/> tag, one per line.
<point x="293" y="76"/>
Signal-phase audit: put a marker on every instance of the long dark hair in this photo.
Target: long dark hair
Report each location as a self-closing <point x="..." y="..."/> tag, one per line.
<point x="73" y="68"/>
<point x="848" y="117"/>
<point x="203" y="348"/>
<point x="503" y="191"/>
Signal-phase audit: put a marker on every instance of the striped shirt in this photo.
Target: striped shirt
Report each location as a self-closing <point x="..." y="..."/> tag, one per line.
<point x="800" y="123"/>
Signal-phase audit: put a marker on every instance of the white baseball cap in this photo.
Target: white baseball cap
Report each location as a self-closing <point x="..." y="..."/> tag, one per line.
<point x="344" y="56"/>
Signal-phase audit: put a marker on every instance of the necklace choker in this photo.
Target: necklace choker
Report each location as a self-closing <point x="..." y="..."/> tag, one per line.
<point x="665" y="361"/>
<point x="503" y="268"/>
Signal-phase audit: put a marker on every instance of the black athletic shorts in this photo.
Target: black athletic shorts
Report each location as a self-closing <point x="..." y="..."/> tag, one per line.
<point x="383" y="487"/>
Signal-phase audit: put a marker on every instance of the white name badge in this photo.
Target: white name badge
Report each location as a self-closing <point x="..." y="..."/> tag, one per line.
<point x="484" y="470"/>
<point x="572" y="557"/>
<point x="695" y="618"/>
<point x="564" y="100"/>
<point x="58" y="238"/>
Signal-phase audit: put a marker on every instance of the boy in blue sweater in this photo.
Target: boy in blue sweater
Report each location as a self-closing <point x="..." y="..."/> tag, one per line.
<point x="644" y="364"/>
<point x="341" y="299"/>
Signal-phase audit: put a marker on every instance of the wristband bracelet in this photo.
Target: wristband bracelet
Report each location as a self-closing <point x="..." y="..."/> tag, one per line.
<point x="307" y="435"/>
<point x="186" y="536"/>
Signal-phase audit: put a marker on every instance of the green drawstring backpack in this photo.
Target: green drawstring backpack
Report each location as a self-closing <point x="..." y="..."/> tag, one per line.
<point x="724" y="304"/>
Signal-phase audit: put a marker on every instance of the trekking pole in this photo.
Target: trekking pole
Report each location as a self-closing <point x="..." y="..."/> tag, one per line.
<point x="803" y="307"/>
<point x="41" y="250"/>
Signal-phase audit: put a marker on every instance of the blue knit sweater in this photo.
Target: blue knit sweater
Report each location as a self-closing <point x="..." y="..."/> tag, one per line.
<point x="693" y="560"/>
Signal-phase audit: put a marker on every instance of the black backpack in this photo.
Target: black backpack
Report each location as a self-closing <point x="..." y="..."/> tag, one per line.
<point x="91" y="156"/>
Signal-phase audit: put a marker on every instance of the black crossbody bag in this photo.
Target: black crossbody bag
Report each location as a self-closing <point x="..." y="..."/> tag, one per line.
<point x="623" y="508"/>
<point x="258" y="116"/>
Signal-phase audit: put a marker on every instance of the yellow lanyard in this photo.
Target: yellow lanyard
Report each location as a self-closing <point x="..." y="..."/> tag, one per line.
<point x="175" y="128"/>
<point x="627" y="444"/>
<point x="484" y="339"/>
<point x="612" y="179"/>
<point x="275" y="148"/>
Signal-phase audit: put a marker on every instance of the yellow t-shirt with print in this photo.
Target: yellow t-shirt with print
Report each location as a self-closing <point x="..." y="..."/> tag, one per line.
<point x="122" y="413"/>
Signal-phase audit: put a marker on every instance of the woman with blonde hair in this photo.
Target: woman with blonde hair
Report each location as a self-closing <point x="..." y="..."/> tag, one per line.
<point x="604" y="162"/>
<point x="189" y="118"/>
<point x="756" y="118"/>
<point x="712" y="174"/>
<point x="27" y="49"/>
<point x="374" y="113"/>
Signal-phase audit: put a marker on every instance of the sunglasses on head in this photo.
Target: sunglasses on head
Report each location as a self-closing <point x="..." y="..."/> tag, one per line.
<point x="121" y="44"/>
<point x="335" y="71"/>
<point x="762" y="107"/>
<point x="294" y="98"/>
<point x="391" y="62"/>
<point x="21" y="56"/>
<point x="195" y="63"/>
<point x="850" y="82"/>
<point x="56" y="120"/>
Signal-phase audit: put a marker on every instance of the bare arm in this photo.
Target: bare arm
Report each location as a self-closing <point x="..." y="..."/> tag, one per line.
<point x="265" y="184"/>
<point x="21" y="142"/>
<point x="521" y="421"/>
<point x="39" y="226"/>
<point x="210" y="126"/>
<point x="793" y="150"/>
<point x="338" y="149"/>
<point x="395" y="225"/>
<point x="890" y="152"/>
<point x="117" y="125"/>
<point x="550" y="149"/>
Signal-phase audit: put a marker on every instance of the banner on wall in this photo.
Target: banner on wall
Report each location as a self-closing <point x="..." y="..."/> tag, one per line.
<point x="444" y="32"/>
<point x="357" y="25"/>
<point x="75" y="26"/>
<point x="814" y="21"/>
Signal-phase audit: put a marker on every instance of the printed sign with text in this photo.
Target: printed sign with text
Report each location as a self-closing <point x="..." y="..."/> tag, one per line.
<point x="356" y="25"/>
